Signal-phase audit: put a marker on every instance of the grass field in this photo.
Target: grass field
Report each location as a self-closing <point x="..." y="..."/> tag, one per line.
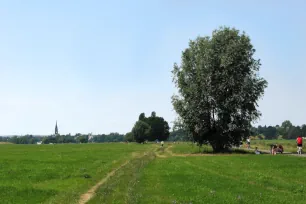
<point x="189" y="148"/>
<point x="237" y="178"/>
<point x="5" y="143"/>
<point x="57" y="174"/>
<point x="223" y="179"/>
<point x="289" y="145"/>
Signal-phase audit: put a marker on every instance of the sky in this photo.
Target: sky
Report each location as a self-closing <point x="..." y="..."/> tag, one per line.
<point x="94" y="66"/>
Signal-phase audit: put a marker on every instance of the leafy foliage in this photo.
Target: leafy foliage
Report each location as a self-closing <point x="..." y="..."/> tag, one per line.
<point x="286" y="131"/>
<point x="159" y="128"/>
<point x="179" y="131"/>
<point x="141" y="131"/>
<point x="112" y="137"/>
<point x="218" y="88"/>
<point x="129" y="137"/>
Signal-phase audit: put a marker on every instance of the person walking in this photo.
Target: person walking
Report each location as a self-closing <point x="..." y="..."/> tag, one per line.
<point x="299" y="142"/>
<point x="249" y="143"/>
<point x="162" y="143"/>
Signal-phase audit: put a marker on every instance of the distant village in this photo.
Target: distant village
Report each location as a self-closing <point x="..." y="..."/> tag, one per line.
<point x="57" y="138"/>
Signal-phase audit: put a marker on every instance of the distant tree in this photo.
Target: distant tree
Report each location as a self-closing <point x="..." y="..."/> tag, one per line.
<point x="129" y="137"/>
<point x="293" y="132"/>
<point x="287" y="124"/>
<point x="82" y="138"/>
<point x="303" y="131"/>
<point x="270" y="133"/>
<point x="179" y="131"/>
<point x="153" y="114"/>
<point x="160" y="129"/>
<point x="219" y="86"/>
<point x="141" y="131"/>
<point x="286" y="129"/>
<point x="142" y="117"/>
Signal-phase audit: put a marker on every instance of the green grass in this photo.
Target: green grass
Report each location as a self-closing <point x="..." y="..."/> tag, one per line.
<point x="57" y="173"/>
<point x="289" y="145"/>
<point x="120" y="188"/>
<point x="190" y="148"/>
<point x="223" y="179"/>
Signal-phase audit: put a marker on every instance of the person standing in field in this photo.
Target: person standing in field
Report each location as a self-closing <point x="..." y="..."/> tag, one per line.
<point x="248" y="142"/>
<point x="299" y="142"/>
<point x="162" y="143"/>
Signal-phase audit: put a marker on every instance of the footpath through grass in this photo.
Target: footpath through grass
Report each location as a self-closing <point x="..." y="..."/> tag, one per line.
<point x="57" y="173"/>
<point x="171" y="178"/>
<point x="289" y="145"/>
<point x="62" y="173"/>
<point x="223" y="179"/>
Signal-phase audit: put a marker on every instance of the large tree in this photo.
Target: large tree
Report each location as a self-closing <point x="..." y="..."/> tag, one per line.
<point x="160" y="129"/>
<point x="141" y="131"/>
<point x="218" y="88"/>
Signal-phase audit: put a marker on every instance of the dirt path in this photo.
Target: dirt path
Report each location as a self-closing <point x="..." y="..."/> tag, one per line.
<point x="84" y="198"/>
<point x="285" y="153"/>
<point x="168" y="151"/>
<point x="91" y="192"/>
<point x="160" y="153"/>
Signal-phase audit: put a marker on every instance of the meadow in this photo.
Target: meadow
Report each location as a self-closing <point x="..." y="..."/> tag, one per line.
<point x="179" y="174"/>
<point x="57" y="173"/>
<point x="289" y="145"/>
<point x="190" y="148"/>
<point x="176" y="173"/>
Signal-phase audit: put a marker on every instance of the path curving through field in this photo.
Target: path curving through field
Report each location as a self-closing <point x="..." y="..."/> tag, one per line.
<point x="91" y="192"/>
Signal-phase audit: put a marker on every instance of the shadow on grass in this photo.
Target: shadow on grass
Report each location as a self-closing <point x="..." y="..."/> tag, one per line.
<point x="231" y="151"/>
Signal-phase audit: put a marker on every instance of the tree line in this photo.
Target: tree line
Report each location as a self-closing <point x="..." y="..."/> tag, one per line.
<point x="149" y="129"/>
<point x="284" y="131"/>
<point x="58" y="139"/>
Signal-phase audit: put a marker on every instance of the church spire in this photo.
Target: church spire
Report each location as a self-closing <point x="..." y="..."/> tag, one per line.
<point x="56" y="129"/>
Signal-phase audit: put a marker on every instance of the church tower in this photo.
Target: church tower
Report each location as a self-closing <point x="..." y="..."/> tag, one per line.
<point x="56" y="129"/>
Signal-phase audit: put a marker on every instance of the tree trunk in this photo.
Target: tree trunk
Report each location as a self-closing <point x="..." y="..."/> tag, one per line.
<point x="218" y="147"/>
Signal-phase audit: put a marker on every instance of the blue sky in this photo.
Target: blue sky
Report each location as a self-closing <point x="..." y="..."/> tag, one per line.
<point x="96" y="65"/>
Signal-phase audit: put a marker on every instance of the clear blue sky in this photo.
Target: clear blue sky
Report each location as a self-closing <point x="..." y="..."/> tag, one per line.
<point x="96" y="65"/>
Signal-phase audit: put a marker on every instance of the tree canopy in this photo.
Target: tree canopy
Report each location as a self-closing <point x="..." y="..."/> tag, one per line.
<point x="285" y="131"/>
<point x="141" y="131"/>
<point x="218" y="88"/>
<point x="159" y="128"/>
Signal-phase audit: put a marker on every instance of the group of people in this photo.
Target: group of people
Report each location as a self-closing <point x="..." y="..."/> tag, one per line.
<point x="275" y="148"/>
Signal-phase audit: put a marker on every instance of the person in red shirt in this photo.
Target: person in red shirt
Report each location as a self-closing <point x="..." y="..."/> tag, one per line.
<point x="299" y="142"/>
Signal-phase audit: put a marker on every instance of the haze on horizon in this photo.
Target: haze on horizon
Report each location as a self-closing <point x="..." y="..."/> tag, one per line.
<point x="94" y="66"/>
